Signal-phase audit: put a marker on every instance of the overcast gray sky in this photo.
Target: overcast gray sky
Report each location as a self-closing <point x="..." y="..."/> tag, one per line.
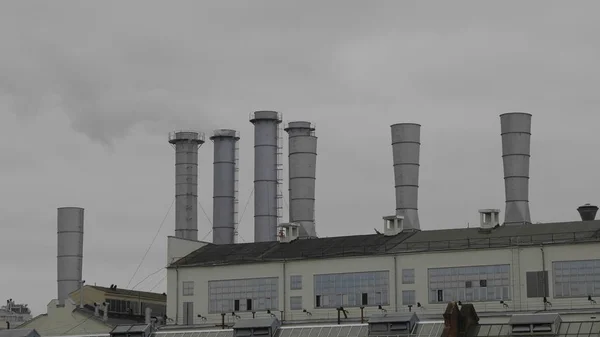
<point x="89" y="91"/>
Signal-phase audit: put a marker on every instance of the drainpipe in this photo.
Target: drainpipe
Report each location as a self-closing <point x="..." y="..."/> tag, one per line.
<point x="177" y="295"/>
<point x="284" y="294"/>
<point x="544" y="275"/>
<point x="395" y="283"/>
<point x="81" y="293"/>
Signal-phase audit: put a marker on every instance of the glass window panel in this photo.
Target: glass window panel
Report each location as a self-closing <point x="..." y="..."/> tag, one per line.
<point x="575" y="278"/>
<point x="223" y="293"/>
<point x="468" y="283"/>
<point x="348" y="288"/>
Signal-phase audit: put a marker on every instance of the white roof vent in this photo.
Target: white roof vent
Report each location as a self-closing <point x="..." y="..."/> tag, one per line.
<point x="288" y="232"/>
<point x="393" y="225"/>
<point x="546" y="324"/>
<point x="489" y="218"/>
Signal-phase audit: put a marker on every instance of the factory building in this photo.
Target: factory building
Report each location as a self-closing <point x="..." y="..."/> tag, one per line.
<point x="83" y="308"/>
<point x="501" y="267"/>
<point x="502" y="278"/>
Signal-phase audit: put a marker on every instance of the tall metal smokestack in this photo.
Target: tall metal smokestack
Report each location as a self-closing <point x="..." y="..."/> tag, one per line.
<point x="516" y="139"/>
<point x="302" y="175"/>
<point x="224" y="186"/>
<point x="265" y="174"/>
<point x="70" y="251"/>
<point x="406" y="144"/>
<point x="186" y="144"/>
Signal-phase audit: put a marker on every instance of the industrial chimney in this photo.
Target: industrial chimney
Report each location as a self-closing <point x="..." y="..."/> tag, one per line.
<point x="406" y="143"/>
<point x="70" y="251"/>
<point x="302" y="170"/>
<point x="224" y="189"/>
<point x="186" y="144"/>
<point x="587" y="212"/>
<point x="265" y="174"/>
<point x="516" y="139"/>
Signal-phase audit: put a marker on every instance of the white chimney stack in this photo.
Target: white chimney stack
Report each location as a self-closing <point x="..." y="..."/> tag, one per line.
<point x="516" y="139"/>
<point x="406" y="144"/>
<point x="69" y="251"/>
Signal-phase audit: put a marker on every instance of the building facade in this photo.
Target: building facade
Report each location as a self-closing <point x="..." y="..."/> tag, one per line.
<point x="512" y="269"/>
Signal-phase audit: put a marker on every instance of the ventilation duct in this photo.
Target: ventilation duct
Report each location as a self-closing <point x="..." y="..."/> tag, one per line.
<point x="302" y="176"/>
<point x="186" y="144"/>
<point x="70" y="251"/>
<point x="265" y="174"/>
<point x="516" y="139"/>
<point x="224" y="188"/>
<point x="406" y="143"/>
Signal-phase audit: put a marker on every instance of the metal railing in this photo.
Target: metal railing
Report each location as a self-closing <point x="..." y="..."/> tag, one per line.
<point x="311" y="125"/>
<point x="186" y="135"/>
<point x="252" y="115"/>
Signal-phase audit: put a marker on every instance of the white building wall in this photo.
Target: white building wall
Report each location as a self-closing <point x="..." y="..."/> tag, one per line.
<point x="521" y="261"/>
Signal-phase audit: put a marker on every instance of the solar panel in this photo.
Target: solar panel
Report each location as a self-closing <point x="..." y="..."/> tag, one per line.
<point x="579" y="329"/>
<point x="195" y="333"/>
<point x="353" y="330"/>
<point x="428" y="329"/>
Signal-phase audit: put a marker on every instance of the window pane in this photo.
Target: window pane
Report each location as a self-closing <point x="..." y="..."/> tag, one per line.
<point x="468" y="283"/>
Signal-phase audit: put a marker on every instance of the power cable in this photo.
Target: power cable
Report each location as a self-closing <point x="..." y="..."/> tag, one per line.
<point x="150" y="246"/>
<point x="147" y="277"/>
<point x="246" y="206"/>
<point x="159" y="283"/>
<point x="203" y="211"/>
<point x="207" y="234"/>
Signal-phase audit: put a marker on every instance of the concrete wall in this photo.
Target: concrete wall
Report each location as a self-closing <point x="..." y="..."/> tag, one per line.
<point x="521" y="261"/>
<point x="178" y="248"/>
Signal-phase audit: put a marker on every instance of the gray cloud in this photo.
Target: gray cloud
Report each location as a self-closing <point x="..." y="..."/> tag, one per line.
<point x="82" y="75"/>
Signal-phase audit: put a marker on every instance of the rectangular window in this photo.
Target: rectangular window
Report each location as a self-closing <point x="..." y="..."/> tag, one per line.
<point x="188" y="288"/>
<point x="352" y="289"/>
<point x="576" y="278"/>
<point x="408" y="276"/>
<point x="409" y="297"/>
<point x="253" y="294"/>
<point x="469" y="283"/>
<point x="296" y="302"/>
<point x="296" y="282"/>
<point x="537" y="284"/>
<point x="188" y="313"/>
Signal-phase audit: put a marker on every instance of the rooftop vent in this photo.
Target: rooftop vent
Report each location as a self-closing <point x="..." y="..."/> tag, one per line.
<point x="259" y="327"/>
<point x="392" y="324"/>
<point x="587" y="212"/>
<point x="288" y="232"/>
<point x="535" y="324"/>
<point x="393" y="225"/>
<point x="489" y="218"/>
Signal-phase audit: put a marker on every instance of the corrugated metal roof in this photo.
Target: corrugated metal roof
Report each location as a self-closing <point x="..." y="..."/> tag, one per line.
<point x="412" y="241"/>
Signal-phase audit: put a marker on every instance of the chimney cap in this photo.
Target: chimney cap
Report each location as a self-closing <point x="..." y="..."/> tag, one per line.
<point x="587" y="212"/>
